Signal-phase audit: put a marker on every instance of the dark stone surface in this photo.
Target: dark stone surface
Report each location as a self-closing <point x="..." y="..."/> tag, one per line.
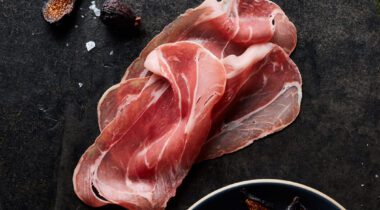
<point x="47" y="120"/>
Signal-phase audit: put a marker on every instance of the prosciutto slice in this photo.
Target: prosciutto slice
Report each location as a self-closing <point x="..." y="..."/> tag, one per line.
<point x="232" y="30"/>
<point x="260" y="98"/>
<point x="212" y="82"/>
<point x="142" y="156"/>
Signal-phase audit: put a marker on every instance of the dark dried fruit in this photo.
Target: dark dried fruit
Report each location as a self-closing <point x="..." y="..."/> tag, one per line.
<point x="117" y="15"/>
<point x="54" y="10"/>
<point x="254" y="205"/>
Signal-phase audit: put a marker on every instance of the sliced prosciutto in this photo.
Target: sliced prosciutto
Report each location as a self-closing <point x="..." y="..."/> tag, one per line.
<point x="216" y="26"/>
<point x="260" y="98"/>
<point x="234" y="31"/>
<point x="142" y="156"/>
<point x="212" y="82"/>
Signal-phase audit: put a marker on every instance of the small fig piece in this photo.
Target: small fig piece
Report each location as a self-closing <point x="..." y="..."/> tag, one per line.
<point x="54" y="10"/>
<point x="117" y="15"/>
<point x="254" y="205"/>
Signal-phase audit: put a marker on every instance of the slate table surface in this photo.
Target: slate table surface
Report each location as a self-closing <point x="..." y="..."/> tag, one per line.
<point x="48" y="120"/>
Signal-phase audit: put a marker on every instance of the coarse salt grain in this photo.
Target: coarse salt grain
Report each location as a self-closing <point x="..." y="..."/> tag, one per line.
<point x="111" y="53"/>
<point x="90" y="45"/>
<point x="376" y="176"/>
<point x="95" y="9"/>
<point x="80" y="84"/>
<point x="362" y="185"/>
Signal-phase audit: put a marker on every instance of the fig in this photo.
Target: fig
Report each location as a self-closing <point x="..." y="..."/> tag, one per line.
<point x="118" y="15"/>
<point x="55" y="10"/>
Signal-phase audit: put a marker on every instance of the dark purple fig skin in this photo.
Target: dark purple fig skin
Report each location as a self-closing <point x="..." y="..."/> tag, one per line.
<point x="117" y="15"/>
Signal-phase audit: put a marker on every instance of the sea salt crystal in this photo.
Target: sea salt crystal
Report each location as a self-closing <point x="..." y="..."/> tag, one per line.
<point x="90" y="45"/>
<point x="111" y="53"/>
<point x="376" y="176"/>
<point x="80" y="84"/>
<point x="362" y="185"/>
<point x="82" y="16"/>
<point x="76" y="26"/>
<point x="67" y="44"/>
<point x="95" y="9"/>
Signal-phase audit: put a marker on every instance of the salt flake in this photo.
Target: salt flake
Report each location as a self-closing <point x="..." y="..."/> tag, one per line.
<point x="95" y="9"/>
<point x="111" y="53"/>
<point x="80" y="84"/>
<point x="90" y="45"/>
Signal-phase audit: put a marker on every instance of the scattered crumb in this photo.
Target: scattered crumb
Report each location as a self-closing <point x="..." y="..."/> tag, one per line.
<point x="80" y="84"/>
<point x="90" y="45"/>
<point x="41" y="108"/>
<point x="95" y="9"/>
<point x="80" y="8"/>
<point x="67" y="44"/>
<point x="111" y="53"/>
<point x="362" y="185"/>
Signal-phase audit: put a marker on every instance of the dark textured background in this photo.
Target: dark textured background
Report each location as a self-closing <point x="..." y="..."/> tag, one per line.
<point x="47" y="120"/>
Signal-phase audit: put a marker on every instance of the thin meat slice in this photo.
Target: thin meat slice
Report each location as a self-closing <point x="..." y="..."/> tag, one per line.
<point x="87" y="169"/>
<point x="119" y="96"/>
<point x="266" y="102"/>
<point x="143" y="154"/>
<point x="216" y="26"/>
<point x="243" y="21"/>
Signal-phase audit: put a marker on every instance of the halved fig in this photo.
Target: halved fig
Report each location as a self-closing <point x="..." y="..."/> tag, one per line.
<point x="55" y="10"/>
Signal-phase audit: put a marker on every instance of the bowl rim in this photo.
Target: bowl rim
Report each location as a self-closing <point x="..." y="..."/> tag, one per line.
<point x="266" y="181"/>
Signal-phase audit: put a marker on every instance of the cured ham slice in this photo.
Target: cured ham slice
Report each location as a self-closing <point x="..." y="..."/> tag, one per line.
<point x="142" y="155"/>
<point x="213" y="24"/>
<point x="218" y="26"/>
<point x="268" y="99"/>
<point x="212" y="82"/>
<point x="219" y="22"/>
